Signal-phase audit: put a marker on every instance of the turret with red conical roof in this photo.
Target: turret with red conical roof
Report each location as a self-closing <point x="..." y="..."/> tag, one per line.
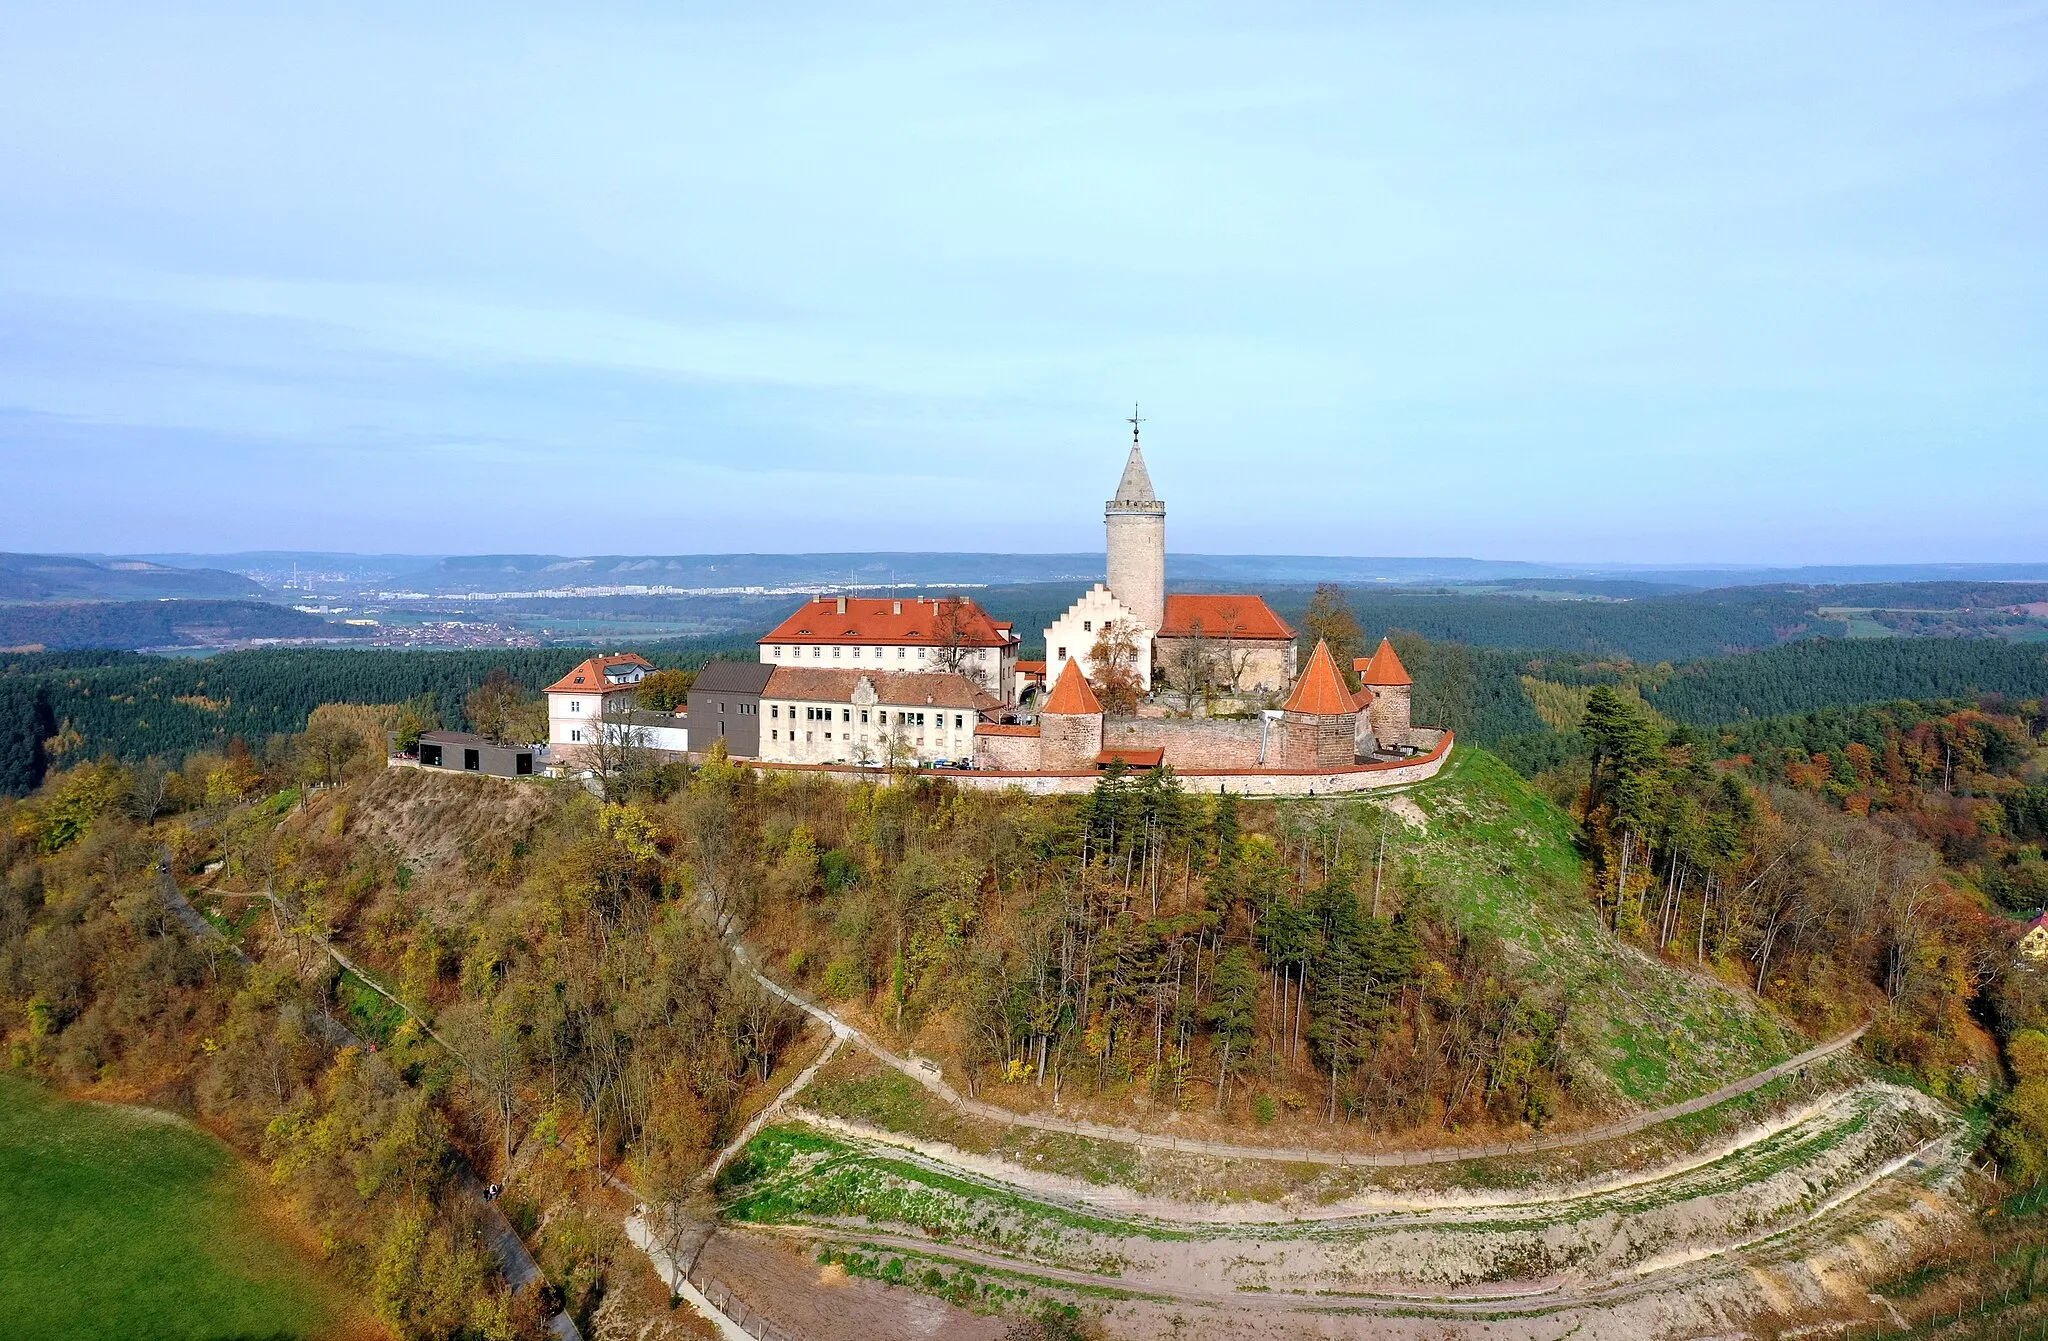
<point x="1070" y="723"/>
<point x="1383" y="667"/>
<point x="1319" y="725"/>
<point x="1392" y="690"/>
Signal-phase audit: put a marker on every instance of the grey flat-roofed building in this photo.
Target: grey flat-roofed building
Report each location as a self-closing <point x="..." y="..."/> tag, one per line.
<point x="464" y="752"/>
<point x="725" y="704"/>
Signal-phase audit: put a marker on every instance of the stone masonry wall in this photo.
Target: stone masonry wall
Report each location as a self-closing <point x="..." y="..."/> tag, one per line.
<point x="1389" y="713"/>
<point x="1068" y="741"/>
<point x="1330" y="782"/>
<point x="1307" y="740"/>
<point x="1189" y="744"/>
<point x="1016" y="754"/>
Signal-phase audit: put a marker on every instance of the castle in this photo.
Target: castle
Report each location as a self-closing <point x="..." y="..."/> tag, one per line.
<point x="1193" y="647"/>
<point x="849" y="683"/>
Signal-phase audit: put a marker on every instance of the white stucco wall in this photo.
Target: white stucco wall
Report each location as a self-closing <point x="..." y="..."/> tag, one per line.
<point x="1074" y="633"/>
<point x="816" y="731"/>
<point x="993" y="668"/>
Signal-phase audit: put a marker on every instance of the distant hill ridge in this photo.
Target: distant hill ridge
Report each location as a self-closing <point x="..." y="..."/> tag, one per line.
<point x="465" y="572"/>
<point x="57" y="577"/>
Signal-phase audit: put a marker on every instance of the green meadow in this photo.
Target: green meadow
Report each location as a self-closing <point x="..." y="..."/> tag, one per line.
<point x="125" y="1222"/>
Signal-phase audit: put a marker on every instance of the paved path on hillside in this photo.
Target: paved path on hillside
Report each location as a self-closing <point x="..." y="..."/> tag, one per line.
<point x="927" y="1074"/>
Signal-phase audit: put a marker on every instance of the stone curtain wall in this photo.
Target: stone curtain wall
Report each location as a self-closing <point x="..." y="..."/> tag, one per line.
<point x="1189" y="744"/>
<point x="1016" y="754"/>
<point x="1332" y="782"/>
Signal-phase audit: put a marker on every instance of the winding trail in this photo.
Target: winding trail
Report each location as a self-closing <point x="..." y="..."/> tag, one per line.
<point x="927" y="1075"/>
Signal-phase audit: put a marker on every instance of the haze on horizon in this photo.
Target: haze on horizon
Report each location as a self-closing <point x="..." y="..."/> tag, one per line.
<point x="1739" y="283"/>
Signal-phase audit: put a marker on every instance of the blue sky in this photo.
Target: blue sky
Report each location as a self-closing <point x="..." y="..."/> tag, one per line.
<point x="1618" y="282"/>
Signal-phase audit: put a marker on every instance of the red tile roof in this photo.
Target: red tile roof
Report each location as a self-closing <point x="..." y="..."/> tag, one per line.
<point x="1320" y="691"/>
<point x="910" y="689"/>
<point x="1139" y="756"/>
<point x="1363" y="698"/>
<point x="590" y="675"/>
<point x="1031" y="667"/>
<point x="1004" y="729"/>
<point x="912" y="621"/>
<point x="1385" y="668"/>
<point x="1072" y="696"/>
<point x="1222" y="616"/>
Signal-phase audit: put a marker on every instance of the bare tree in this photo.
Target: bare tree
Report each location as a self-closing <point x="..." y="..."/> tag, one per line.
<point x="618" y="754"/>
<point x="1191" y="668"/>
<point x="953" y="620"/>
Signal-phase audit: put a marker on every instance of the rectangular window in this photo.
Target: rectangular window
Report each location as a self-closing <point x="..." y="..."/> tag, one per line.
<point x="773" y="734"/>
<point x="576" y="737"/>
<point x="817" y="652"/>
<point x="863" y="716"/>
<point x="957" y="719"/>
<point x="835" y="653"/>
<point x="920" y="654"/>
<point x="902" y="652"/>
<point x="471" y="761"/>
<point x="846" y="714"/>
<point x="430" y="755"/>
<point x="774" y="711"/>
<point x="1060" y="658"/>
<point x="1087" y="626"/>
<point x="522" y="764"/>
<point x="575" y="705"/>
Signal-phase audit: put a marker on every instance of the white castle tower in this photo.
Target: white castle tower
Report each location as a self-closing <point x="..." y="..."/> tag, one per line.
<point x="1136" y="524"/>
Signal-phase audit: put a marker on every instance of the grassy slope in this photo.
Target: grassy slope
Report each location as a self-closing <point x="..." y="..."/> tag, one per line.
<point x="1500" y="858"/>
<point x="116" y="1223"/>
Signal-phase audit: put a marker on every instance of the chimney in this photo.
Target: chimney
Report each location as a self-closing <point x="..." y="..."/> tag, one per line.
<point x="842" y="605"/>
<point x="896" y="607"/>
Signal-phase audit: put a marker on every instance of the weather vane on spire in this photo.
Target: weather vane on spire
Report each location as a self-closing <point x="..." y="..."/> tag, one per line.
<point x="1134" y="421"/>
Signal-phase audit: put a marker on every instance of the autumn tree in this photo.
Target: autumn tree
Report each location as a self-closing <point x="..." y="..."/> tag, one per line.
<point x="1115" y="658"/>
<point x="665" y="690"/>
<point x="1330" y="620"/>
<point x="501" y="709"/>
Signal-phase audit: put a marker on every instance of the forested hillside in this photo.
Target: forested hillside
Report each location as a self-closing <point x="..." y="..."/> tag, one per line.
<point x="163" y="623"/>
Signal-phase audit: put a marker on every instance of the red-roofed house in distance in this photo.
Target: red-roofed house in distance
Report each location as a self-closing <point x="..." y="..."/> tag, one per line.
<point x="600" y="687"/>
<point x="898" y="635"/>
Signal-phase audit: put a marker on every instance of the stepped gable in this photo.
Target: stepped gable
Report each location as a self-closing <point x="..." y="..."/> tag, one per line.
<point x="1072" y="696"/>
<point x="1320" y="691"/>
<point x="1222" y="616"/>
<point x="1384" y="668"/>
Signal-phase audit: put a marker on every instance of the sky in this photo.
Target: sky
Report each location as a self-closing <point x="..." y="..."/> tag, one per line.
<point x="1632" y="282"/>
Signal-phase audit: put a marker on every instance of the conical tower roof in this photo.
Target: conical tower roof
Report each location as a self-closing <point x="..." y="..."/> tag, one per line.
<point x="1071" y="695"/>
<point x="1320" y="691"/>
<point x="1136" y="485"/>
<point x="1385" y="668"/>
